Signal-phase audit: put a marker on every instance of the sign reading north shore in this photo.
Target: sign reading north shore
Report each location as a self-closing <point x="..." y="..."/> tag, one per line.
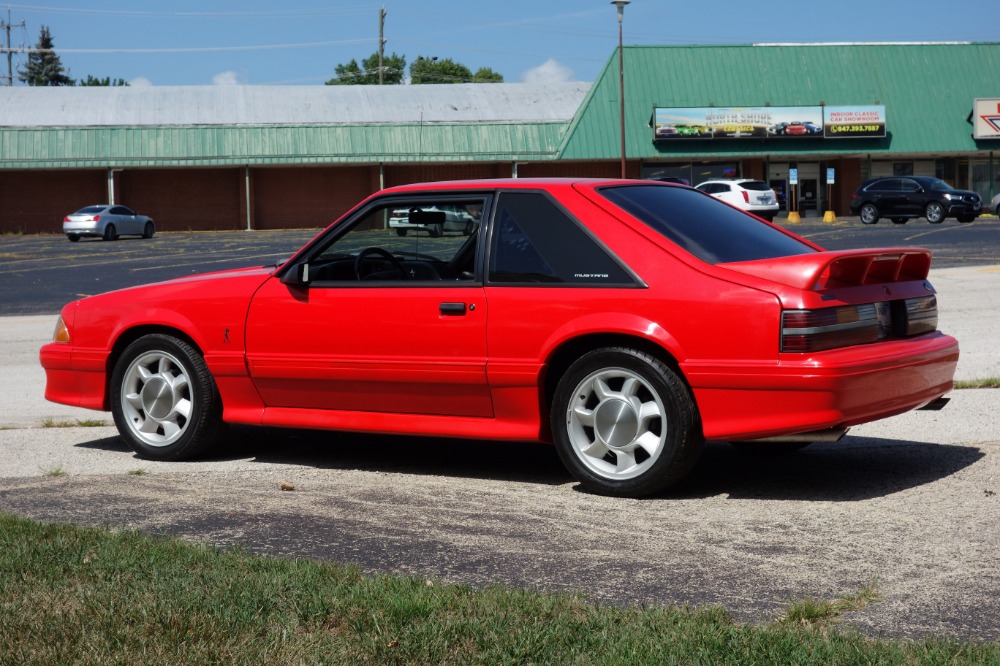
<point x="986" y="119"/>
<point x="768" y="122"/>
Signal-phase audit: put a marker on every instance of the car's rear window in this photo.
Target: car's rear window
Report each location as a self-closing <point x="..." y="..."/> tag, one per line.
<point x="757" y="185"/>
<point x="704" y="226"/>
<point x="89" y="210"/>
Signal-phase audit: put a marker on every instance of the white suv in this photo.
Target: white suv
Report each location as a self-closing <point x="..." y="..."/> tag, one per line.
<point x="753" y="196"/>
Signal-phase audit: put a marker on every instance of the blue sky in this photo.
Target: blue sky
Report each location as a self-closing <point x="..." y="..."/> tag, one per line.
<point x="299" y="42"/>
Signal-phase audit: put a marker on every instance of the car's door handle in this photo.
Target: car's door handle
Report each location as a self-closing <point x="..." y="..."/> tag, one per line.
<point x="452" y="309"/>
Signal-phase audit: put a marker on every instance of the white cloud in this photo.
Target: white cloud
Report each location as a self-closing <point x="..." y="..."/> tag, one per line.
<point x="550" y="71"/>
<point x="140" y="82"/>
<point x="229" y="78"/>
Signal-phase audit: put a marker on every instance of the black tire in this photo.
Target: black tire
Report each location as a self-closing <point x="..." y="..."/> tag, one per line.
<point x="400" y="231"/>
<point x="935" y="213"/>
<point x="164" y="400"/>
<point x="110" y="233"/>
<point x="869" y="214"/>
<point x="769" y="448"/>
<point x="899" y="220"/>
<point x="601" y="438"/>
<point x="436" y="230"/>
<point x="148" y="230"/>
<point x="965" y="219"/>
<point x="73" y="238"/>
<point x="467" y="231"/>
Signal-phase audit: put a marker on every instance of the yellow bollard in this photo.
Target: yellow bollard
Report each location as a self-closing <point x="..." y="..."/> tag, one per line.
<point x="793" y="216"/>
<point x="829" y="216"/>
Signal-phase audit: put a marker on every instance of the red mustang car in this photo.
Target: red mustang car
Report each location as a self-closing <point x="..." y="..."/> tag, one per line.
<point x="624" y="321"/>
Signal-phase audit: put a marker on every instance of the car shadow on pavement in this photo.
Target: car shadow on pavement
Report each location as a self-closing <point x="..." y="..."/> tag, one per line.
<point x="854" y="469"/>
<point x="531" y="462"/>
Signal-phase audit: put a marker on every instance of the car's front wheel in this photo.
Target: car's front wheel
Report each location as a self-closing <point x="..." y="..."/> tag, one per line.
<point x="869" y="214"/>
<point x="965" y="219"/>
<point x="624" y="423"/>
<point x="148" y="230"/>
<point x="935" y="213"/>
<point x="164" y="400"/>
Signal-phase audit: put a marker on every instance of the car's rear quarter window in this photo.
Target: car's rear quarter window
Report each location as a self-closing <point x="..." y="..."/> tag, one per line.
<point x="704" y="226"/>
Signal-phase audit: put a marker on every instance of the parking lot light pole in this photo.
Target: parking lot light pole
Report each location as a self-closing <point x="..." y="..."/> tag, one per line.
<point x="620" y="4"/>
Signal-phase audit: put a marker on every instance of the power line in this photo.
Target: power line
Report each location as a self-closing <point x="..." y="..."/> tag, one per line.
<point x="352" y="9"/>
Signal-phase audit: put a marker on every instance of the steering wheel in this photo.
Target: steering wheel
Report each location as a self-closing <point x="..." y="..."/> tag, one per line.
<point x="384" y="254"/>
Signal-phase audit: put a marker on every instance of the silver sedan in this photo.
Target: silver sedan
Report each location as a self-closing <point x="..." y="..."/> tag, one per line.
<point x="108" y="222"/>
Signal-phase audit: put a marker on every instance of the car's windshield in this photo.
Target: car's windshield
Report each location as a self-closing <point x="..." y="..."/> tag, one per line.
<point x="704" y="226"/>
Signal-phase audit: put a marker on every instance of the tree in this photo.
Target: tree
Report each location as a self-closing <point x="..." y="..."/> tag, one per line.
<point x="487" y="75"/>
<point x="44" y="67"/>
<point x="393" y="68"/>
<point x="106" y="81"/>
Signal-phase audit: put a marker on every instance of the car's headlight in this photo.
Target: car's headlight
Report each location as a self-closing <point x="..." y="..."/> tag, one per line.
<point x="61" y="334"/>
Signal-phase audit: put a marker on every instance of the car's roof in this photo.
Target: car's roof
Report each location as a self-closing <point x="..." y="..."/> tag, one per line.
<point x="517" y="183"/>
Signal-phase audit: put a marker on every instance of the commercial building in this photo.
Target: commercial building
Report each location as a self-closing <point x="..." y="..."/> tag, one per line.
<point x="824" y="116"/>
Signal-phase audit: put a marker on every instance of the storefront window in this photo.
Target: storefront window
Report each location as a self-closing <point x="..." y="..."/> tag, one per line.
<point x="690" y="174"/>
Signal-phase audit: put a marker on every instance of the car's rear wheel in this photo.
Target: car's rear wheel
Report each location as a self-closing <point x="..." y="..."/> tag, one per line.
<point x="436" y="230"/>
<point x="148" y="230"/>
<point x="899" y="220"/>
<point x="935" y="213"/>
<point x="624" y="423"/>
<point x="73" y="237"/>
<point x="110" y="233"/>
<point x="164" y="400"/>
<point x="869" y="214"/>
<point x="400" y="232"/>
<point x="965" y="219"/>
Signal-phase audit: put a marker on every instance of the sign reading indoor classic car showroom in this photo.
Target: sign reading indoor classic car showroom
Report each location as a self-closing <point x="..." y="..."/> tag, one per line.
<point x="769" y="122"/>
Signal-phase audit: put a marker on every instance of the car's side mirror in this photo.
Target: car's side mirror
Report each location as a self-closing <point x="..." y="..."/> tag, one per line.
<point x="298" y="275"/>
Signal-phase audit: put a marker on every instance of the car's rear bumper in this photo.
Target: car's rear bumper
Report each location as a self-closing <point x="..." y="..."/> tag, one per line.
<point x="82" y="228"/>
<point x="833" y="389"/>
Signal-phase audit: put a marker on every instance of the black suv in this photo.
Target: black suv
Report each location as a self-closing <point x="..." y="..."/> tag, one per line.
<point x="903" y="197"/>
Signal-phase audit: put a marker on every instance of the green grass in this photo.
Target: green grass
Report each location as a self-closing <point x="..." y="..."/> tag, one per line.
<point x="986" y="382"/>
<point x="78" y="423"/>
<point x="89" y="596"/>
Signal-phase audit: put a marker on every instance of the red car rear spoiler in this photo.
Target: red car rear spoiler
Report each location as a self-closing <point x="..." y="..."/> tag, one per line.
<point x="846" y="268"/>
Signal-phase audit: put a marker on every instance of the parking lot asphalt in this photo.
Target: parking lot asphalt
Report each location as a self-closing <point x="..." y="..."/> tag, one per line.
<point x="907" y="504"/>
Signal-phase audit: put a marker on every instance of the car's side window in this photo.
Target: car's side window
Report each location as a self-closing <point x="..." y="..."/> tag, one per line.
<point x="908" y="185"/>
<point x="403" y="241"/>
<point x="535" y="241"/>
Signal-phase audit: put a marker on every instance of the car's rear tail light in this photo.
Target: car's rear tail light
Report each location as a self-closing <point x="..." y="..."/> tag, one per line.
<point x="97" y="218"/>
<point x="66" y="219"/>
<point x="921" y="315"/>
<point x="830" y="328"/>
<point x="746" y="196"/>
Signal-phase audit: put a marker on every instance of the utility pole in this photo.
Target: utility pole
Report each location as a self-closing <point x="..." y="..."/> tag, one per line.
<point x="6" y="26"/>
<point x="381" y="45"/>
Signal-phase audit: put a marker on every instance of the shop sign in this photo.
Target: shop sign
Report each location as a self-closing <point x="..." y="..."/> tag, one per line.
<point x="986" y="114"/>
<point x="852" y="122"/>
<point x="768" y="122"/>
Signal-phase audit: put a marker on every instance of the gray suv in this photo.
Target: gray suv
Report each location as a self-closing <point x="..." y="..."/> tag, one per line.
<point x="901" y="198"/>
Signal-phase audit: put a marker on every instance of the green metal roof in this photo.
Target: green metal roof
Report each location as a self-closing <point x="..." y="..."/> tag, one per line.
<point x="927" y="90"/>
<point x="81" y="147"/>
